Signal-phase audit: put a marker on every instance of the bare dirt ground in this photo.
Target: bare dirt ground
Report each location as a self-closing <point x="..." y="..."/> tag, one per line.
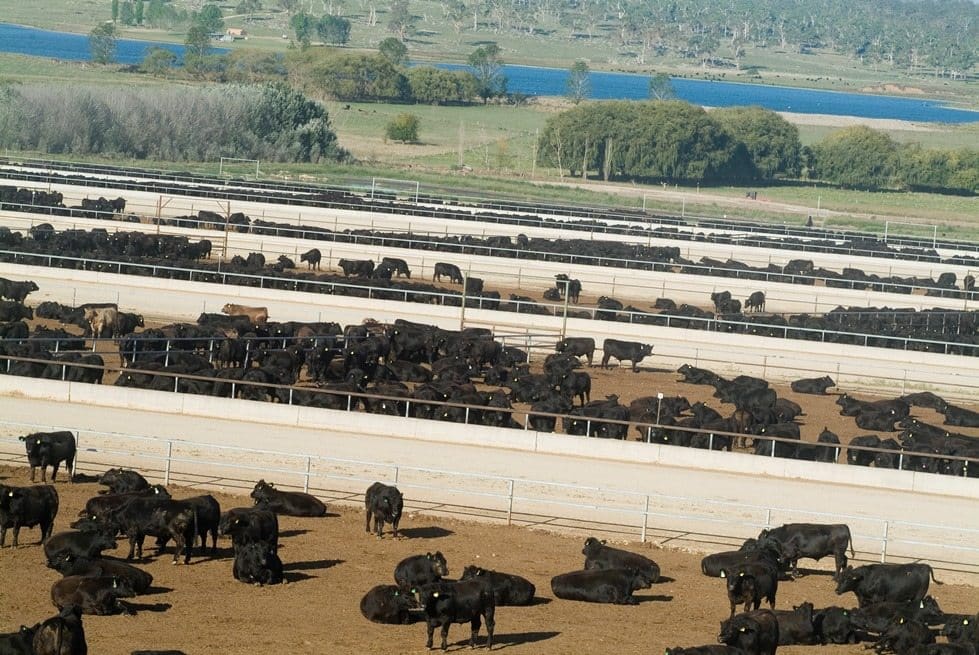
<point x="330" y="563"/>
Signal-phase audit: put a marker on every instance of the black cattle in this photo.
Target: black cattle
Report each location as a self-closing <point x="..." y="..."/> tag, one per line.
<point x="27" y="507"/>
<point x="962" y="628"/>
<point x="398" y="266"/>
<point x="875" y="618"/>
<point x="872" y="420"/>
<point x="600" y="556"/>
<point x="62" y="634"/>
<point x="755" y="302"/>
<point x="508" y="589"/>
<point x="46" y="449"/>
<point x="256" y="563"/>
<point x="576" y="384"/>
<point x="862" y="457"/>
<point x="694" y="375"/>
<point x="752" y="551"/>
<point x="385" y="503"/>
<point x="105" y="505"/>
<point x="246" y="525"/>
<point x="18" y="643"/>
<point x="960" y="416"/>
<point x="755" y="633"/>
<point x="571" y="286"/>
<point x="386" y="603"/>
<point x="878" y="583"/>
<point x="137" y="579"/>
<point x="289" y="503"/>
<point x="719" y="298"/>
<point x="127" y="322"/>
<point x="817" y="386"/>
<point x="419" y="570"/>
<point x="625" y="351"/>
<point x="812" y="541"/>
<point x="850" y="406"/>
<point x="166" y="519"/>
<point x="749" y="583"/>
<point x="467" y="601"/>
<point x="577" y="346"/>
<point x="834" y="625"/>
<point x="16" y="291"/>
<point x="14" y="311"/>
<point x="905" y="637"/>
<point x="358" y="267"/>
<point x="77" y="544"/>
<point x="925" y="399"/>
<point x="98" y="596"/>
<point x="312" y="258"/>
<point x="781" y="448"/>
<point x="450" y="270"/>
<point x="120" y="481"/>
<point x="601" y="585"/>
<point x="713" y="649"/>
<point x="796" y="627"/>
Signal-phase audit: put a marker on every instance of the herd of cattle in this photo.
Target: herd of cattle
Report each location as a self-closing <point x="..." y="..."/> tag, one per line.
<point x="894" y="614"/>
<point x="177" y="257"/>
<point x="422" y="371"/>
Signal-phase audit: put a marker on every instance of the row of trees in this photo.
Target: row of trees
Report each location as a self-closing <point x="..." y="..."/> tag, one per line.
<point x="269" y="122"/>
<point x="679" y="142"/>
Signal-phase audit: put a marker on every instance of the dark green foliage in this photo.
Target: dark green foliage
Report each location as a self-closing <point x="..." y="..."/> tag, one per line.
<point x="579" y="85"/>
<point x="772" y="141"/>
<point x="158" y="61"/>
<point x="333" y="29"/>
<point x="661" y="87"/>
<point x="102" y="42"/>
<point x="394" y="51"/>
<point x="140" y="11"/>
<point x="127" y="13"/>
<point x="210" y="18"/>
<point x="352" y="76"/>
<point x="303" y="25"/>
<point x="197" y="45"/>
<point x="486" y="63"/>
<point x="270" y="122"/>
<point x="858" y="157"/>
<point x="435" y="86"/>
<point x="403" y="127"/>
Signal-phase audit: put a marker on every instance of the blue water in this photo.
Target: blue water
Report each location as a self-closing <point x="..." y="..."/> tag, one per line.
<point x="553" y="82"/>
<point x="75" y="47"/>
<point x="625" y="86"/>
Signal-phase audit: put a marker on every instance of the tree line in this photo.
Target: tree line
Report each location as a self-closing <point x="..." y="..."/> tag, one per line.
<point x="268" y="122"/>
<point x="674" y="141"/>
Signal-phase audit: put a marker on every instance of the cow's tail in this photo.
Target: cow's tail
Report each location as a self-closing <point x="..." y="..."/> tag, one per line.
<point x="932" y="572"/>
<point x="849" y="539"/>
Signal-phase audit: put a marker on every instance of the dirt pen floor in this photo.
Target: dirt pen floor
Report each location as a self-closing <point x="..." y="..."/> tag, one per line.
<point x="331" y="562"/>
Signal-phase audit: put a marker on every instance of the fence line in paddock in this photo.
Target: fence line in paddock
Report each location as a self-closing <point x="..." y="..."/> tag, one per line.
<point x="515" y="501"/>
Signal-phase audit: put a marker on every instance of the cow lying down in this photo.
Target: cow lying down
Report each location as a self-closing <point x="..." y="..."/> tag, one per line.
<point x="601" y="585"/>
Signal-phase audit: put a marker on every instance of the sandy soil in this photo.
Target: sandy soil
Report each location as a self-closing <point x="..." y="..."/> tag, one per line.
<point x="331" y="563"/>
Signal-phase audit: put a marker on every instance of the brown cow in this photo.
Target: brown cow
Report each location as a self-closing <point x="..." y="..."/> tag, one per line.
<point x="257" y="315"/>
<point x="102" y="321"/>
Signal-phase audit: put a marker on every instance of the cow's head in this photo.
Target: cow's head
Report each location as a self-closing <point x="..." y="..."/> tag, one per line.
<point x="32" y="443"/>
<point x="850" y="579"/>
<point x="592" y="547"/>
<point x="471" y="572"/>
<point x="439" y="565"/>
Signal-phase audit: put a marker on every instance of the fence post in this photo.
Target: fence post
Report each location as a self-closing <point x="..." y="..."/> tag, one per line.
<point x="883" y="545"/>
<point x="645" y="518"/>
<point x="166" y="471"/>
<point x="397" y="470"/>
<point x="509" y="509"/>
<point x="768" y="518"/>
<point x="306" y="479"/>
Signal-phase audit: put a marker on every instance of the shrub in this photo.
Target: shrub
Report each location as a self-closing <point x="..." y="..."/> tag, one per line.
<point x="403" y="127"/>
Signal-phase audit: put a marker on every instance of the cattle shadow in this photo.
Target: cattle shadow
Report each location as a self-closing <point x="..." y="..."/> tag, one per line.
<point x="155" y="590"/>
<point x="540" y="600"/>
<point x="663" y="579"/>
<point x="293" y="533"/>
<point x="653" y="599"/>
<point x="145" y="607"/>
<point x="805" y="573"/>
<point x="85" y="478"/>
<point x="515" y="638"/>
<point x="429" y="532"/>
<point x="312" y="565"/>
<point x="296" y="576"/>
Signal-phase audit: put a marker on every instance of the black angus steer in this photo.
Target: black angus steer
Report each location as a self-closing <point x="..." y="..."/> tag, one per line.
<point x="62" y="634"/>
<point x="508" y="589"/>
<point x="27" y="507"/>
<point x="466" y="601"/>
<point x="357" y="267"/>
<point x="121" y="481"/>
<point x="750" y="583"/>
<point x="312" y="258"/>
<point x="386" y="603"/>
<point x="137" y="579"/>
<point x="46" y="449"/>
<point x="960" y="416"/>
<point x="812" y="541"/>
<point x="577" y="346"/>
<point x="600" y="556"/>
<point x="755" y="302"/>
<point x="448" y="270"/>
<point x="256" y="563"/>
<point x="625" y="351"/>
<point x="614" y="586"/>
<point x="755" y="633"/>
<point x="289" y="503"/>
<point x="796" y="627"/>
<point x="98" y="596"/>
<point x="879" y="583"/>
<point x="717" y="565"/>
<point x="247" y="525"/>
<point x="385" y="503"/>
<point x="418" y="570"/>
<point x="16" y="290"/>
<point x="817" y="386"/>
<point x="18" y="643"/>
<point x="78" y="544"/>
<point x="398" y="266"/>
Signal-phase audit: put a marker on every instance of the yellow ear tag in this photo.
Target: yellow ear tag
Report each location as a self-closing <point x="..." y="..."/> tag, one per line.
<point x="435" y="595"/>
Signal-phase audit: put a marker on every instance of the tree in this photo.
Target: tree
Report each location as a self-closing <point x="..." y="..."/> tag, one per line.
<point x="302" y="24"/>
<point x="857" y="157"/>
<point x="403" y="127"/>
<point x="772" y="141"/>
<point x="127" y="13"/>
<point x="435" y="86"/>
<point x="210" y="18"/>
<point x="115" y="10"/>
<point x="102" y="42"/>
<point x="394" y="51"/>
<point x="197" y="45"/>
<point x="487" y="67"/>
<point x="158" y="61"/>
<point x="140" y="11"/>
<point x="661" y="87"/>
<point x="579" y="85"/>
<point x="333" y="29"/>
<point x="400" y="20"/>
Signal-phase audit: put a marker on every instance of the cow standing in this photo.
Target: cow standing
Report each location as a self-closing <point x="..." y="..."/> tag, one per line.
<point x="46" y="449"/>
<point x="878" y="583"/>
<point x="26" y="507"/>
<point x="814" y="541"/>
<point x="418" y="570"/>
<point x="625" y="351"/>
<point x="385" y="503"/>
<point x="468" y="601"/>
<point x="312" y="258"/>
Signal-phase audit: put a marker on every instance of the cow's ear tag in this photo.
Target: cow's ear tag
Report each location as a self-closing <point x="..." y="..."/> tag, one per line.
<point x="742" y="629"/>
<point x="435" y="595"/>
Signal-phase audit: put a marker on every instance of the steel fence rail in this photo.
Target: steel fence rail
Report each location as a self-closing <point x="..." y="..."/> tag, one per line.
<point x="553" y="503"/>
